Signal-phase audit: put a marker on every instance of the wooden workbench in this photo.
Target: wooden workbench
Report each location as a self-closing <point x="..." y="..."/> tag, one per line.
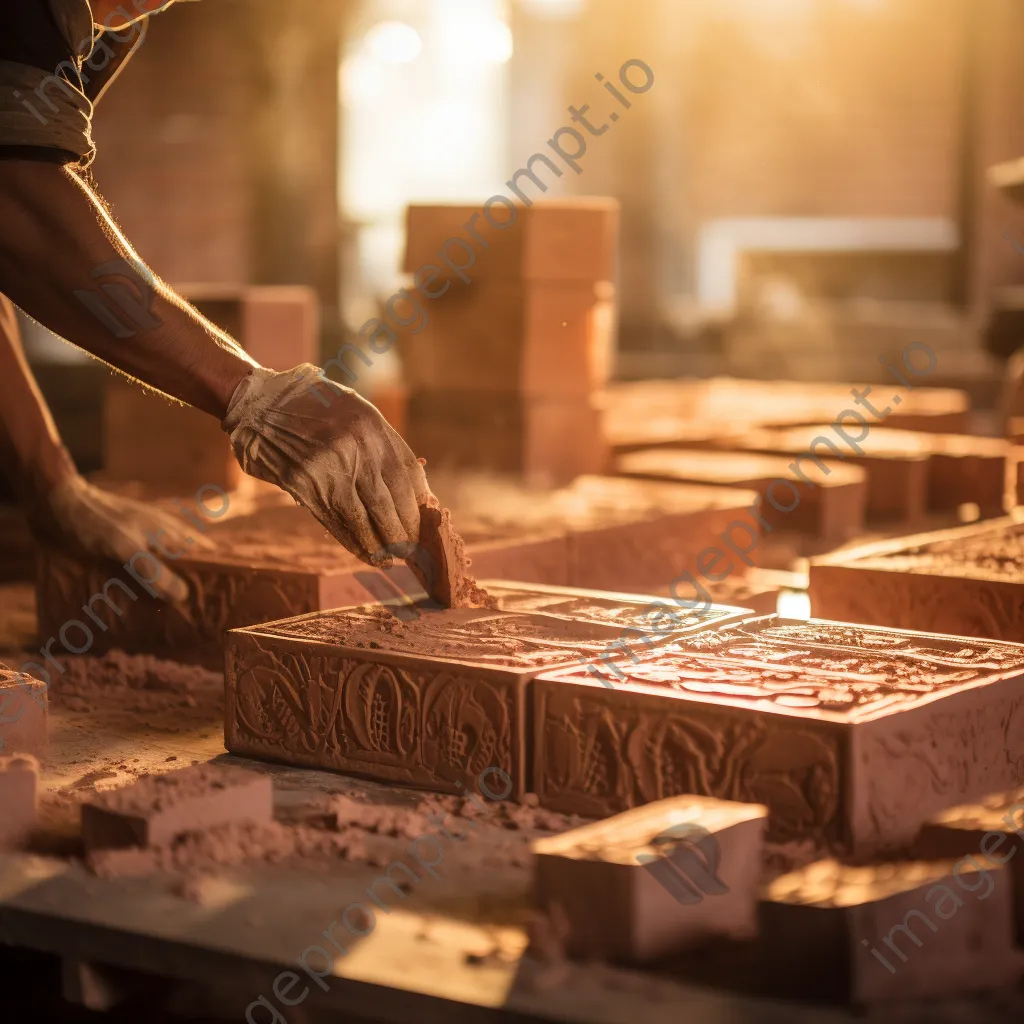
<point x="453" y="950"/>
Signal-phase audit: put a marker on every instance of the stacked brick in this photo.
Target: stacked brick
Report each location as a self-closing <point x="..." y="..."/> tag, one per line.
<point x="506" y="366"/>
<point x="170" y="448"/>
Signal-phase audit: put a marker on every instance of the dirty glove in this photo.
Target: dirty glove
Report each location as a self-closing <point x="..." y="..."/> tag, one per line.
<point x="333" y="452"/>
<point x="76" y="515"/>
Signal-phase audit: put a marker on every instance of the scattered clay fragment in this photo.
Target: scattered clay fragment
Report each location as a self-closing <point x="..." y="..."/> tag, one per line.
<point x="23" y="714"/>
<point x="157" y="808"/>
<point x="19" y="780"/>
<point x="666" y="877"/>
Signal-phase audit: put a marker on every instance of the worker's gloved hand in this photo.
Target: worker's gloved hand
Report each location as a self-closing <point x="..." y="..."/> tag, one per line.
<point x="333" y="452"/>
<point x="75" y="515"/>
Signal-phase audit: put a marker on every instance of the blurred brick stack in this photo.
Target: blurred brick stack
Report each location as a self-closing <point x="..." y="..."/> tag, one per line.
<point x="170" y="448"/>
<point x="508" y="372"/>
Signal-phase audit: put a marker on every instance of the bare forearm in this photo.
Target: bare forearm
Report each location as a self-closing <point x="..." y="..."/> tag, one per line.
<point x="56" y="235"/>
<point x="30" y="447"/>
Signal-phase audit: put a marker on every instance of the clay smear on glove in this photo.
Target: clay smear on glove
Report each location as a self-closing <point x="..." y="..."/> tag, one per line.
<point x="452" y="585"/>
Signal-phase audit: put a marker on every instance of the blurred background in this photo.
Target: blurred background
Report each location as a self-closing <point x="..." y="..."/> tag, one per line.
<point x="806" y="184"/>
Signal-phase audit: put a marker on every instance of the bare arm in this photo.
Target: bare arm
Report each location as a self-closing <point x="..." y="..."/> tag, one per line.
<point x="56" y="234"/>
<point x="31" y="446"/>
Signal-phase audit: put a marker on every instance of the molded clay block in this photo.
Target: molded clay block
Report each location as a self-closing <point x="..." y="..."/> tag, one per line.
<point x="274" y="564"/>
<point x="896" y="462"/>
<point x="883" y="932"/>
<point x="540" y="559"/>
<point x="412" y="694"/>
<point x="167" y="447"/>
<point x="659" y="879"/>
<point x="643" y="614"/>
<point x="831" y="507"/>
<point x="991" y="831"/>
<point x="965" y="469"/>
<point x="24" y="707"/>
<point x="541" y="339"/>
<point x="631" y="534"/>
<point x="850" y="735"/>
<point x="641" y="414"/>
<point x="156" y="808"/>
<point x="968" y="580"/>
<point x="605" y="533"/>
<point x="548" y="441"/>
<point x="19" y="781"/>
<point x="278" y="325"/>
<point x="567" y="239"/>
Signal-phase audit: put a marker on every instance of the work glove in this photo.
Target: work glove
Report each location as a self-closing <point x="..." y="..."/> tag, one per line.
<point x="78" y="516"/>
<point x="334" y="453"/>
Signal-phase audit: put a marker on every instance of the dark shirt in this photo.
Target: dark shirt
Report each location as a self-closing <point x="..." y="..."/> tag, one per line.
<point x="29" y="35"/>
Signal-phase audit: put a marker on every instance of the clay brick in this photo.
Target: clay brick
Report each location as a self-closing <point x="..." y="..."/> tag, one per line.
<point x="830" y="507"/>
<point x="24" y="712"/>
<point x="279" y="562"/>
<point x="278" y="325"/>
<point x="19" y="782"/>
<point x="850" y="735"/>
<point x="543" y="340"/>
<point x="642" y="614"/>
<point x="604" y="533"/>
<point x="969" y="580"/>
<point x="645" y="413"/>
<point x="896" y="462"/>
<point x="165" y="447"/>
<point x="169" y="447"/>
<point x="155" y="809"/>
<point x="964" y="469"/>
<point x="273" y="564"/>
<point x="549" y="442"/>
<point x="961" y="468"/>
<point x="990" y="830"/>
<point x="659" y="879"/>
<point x="568" y="239"/>
<point x="828" y="931"/>
<point x="642" y="534"/>
<point x="420" y="696"/>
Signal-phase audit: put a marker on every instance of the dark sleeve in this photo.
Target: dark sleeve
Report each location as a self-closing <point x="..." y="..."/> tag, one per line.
<point x="38" y="153"/>
<point x="29" y="35"/>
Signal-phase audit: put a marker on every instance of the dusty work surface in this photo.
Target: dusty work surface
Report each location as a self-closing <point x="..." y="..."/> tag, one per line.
<point x="230" y="917"/>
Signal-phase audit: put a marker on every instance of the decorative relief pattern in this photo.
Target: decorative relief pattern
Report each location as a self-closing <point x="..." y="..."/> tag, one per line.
<point x="828" y="724"/>
<point x="432" y="726"/>
<point x="806" y="668"/>
<point x="994" y="552"/>
<point x="596" y="756"/>
<point x="478" y="635"/>
<point x="657" y="615"/>
<point x="220" y="598"/>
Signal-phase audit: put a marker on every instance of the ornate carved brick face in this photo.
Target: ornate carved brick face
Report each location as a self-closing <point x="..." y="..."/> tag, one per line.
<point x="851" y="735"/>
<point x="422" y="696"/>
